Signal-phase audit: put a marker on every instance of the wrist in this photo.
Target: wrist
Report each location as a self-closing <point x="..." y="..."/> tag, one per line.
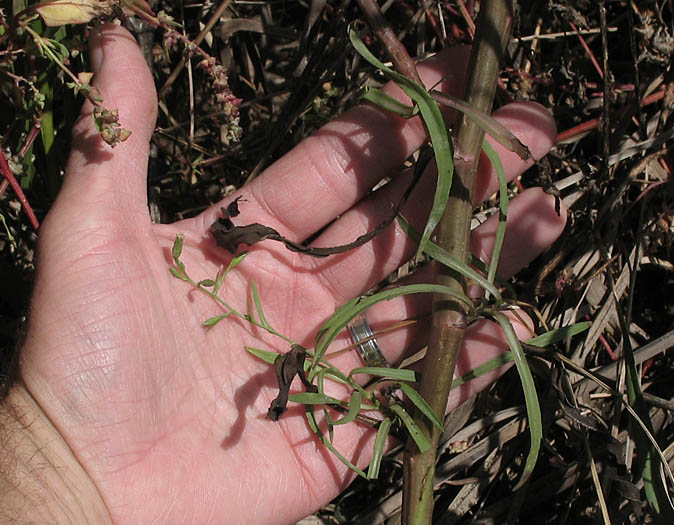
<point x="40" y="478"/>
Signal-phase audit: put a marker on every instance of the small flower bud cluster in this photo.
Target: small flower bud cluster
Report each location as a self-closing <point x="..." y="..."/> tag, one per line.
<point x="223" y="99"/>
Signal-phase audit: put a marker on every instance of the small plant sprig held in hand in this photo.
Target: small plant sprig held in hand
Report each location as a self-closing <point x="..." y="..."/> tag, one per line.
<point x="363" y="403"/>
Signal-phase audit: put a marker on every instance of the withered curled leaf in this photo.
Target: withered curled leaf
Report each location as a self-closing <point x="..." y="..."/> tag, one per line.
<point x="62" y="12"/>
<point x="287" y="366"/>
<point x="230" y="237"/>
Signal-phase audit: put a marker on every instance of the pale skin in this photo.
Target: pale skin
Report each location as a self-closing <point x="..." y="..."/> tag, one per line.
<point x="128" y="410"/>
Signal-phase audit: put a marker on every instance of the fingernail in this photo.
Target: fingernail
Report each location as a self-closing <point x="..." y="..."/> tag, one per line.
<point x="95" y="50"/>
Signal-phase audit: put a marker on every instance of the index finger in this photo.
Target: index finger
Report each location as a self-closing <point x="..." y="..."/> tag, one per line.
<point x="341" y="162"/>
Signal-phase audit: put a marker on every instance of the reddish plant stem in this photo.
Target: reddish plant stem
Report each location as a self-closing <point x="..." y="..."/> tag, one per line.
<point x="217" y="14"/>
<point x="11" y="179"/>
<point x="588" y="51"/>
<point x="591" y="124"/>
<point x="402" y="62"/>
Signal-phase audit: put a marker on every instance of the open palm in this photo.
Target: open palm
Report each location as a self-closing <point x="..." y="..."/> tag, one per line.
<point x="167" y="417"/>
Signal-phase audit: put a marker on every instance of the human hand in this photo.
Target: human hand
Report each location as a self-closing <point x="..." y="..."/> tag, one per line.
<point x="166" y="418"/>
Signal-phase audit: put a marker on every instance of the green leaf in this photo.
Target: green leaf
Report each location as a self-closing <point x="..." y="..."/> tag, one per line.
<point x="354" y="408"/>
<point x="649" y="461"/>
<point x="530" y="396"/>
<point x="379" y="448"/>
<point x="320" y="380"/>
<point x="338" y="321"/>
<point x="387" y="102"/>
<point x="258" y="306"/>
<point x="543" y="340"/>
<point x="396" y="374"/>
<point x="560" y="334"/>
<point x="206" y="283"/>
<point x="232" y="264"/>
<point x="212" y="321"/>
<point x="478" y="371"/>
<point x="414" y="431"/>
<point x="47" y="117"/>
<point x="503" y="209"/>
<point x="264" y="355"/>
<point x="313" y="398"/>
<point x="418" y="400"/>
<point x="177" y="248"/>
<point x="177" y="273"/>
<point x="437" y="130"/>
<point x="443" y="257"/>
<point x="313" y="425"/>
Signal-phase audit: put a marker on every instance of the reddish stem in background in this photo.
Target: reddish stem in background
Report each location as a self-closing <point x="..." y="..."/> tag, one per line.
<point x="607" y="347"/>
<point x="587" y="49"/>
<point x="430" y="16"/>
<point x="589" y="125"/>
<point x="32" y="135"/>
<point x="467" y="17"/>
<point x="9" y="176"/>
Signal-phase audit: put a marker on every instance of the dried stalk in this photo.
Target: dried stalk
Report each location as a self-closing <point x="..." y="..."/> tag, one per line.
<point x="493" y="31"/>
<point x="402" y="62"/>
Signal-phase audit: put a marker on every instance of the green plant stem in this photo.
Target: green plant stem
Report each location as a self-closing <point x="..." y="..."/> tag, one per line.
<point x="494" y="23"/>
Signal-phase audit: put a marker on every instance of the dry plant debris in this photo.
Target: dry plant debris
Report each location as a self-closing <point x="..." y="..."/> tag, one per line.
<point x="603" y="69"/>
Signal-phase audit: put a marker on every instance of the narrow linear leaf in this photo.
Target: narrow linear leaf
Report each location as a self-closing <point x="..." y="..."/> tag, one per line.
<point x="503" y="209"/>
<point x="338" y="321"/>
<point x="543" y="340"/>
<point x="560" y="334"/>
<point x="232" y="264"/>
<point x="258" y="306"/>
<point x="313" y="398"/>
<point x="443" y="257"/>
<point x="437" y="131"/>
<point x="354" y="408"/>
<point x="396" y="374"/>
<point x="329" y="424"/>
<point x="648" y="462"/>
<point x="320" y="380"/>
<point x="212" y="321"/>
<point x="478" y="371"/>
<point x="412" y="428"/>
<point x="489" y="124"/>
<point x="334" y="374"/>
<point x="387" y="102"/>
<point x="313" y="425"/>
<point x="264" y="355"/>
<point x="418" y="400"/>
<point x="47" y="133"/>
<point x="379" y="448"/>
<point x="530" y="396"/>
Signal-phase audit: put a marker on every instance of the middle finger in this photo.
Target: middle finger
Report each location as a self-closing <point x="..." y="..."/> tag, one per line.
<point x="350" y="273"/>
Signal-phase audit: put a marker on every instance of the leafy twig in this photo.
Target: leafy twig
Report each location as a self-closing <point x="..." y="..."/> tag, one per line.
<point x="453" y="235"/>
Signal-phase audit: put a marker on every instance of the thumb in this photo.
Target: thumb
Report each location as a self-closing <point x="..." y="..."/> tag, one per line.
<point x="103" y="184"/>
